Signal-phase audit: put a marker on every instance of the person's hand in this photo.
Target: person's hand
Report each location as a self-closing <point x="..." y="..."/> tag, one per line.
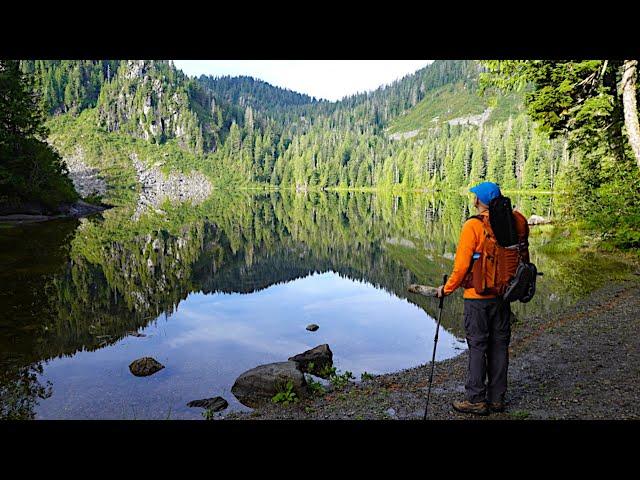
<point x="440" y="291"/>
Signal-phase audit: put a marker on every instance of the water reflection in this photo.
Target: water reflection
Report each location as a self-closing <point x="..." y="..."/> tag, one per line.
<point x="223" y="286"/>
<point x="211" y="338"/>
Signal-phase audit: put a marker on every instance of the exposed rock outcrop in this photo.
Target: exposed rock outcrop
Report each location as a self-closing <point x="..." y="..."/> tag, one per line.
<point x="403" y="135"/>
<point x="156" y="187"/>
<point x="147" y="99"/>
<point x="477" y="120"/>
<point x="86" y="180"/>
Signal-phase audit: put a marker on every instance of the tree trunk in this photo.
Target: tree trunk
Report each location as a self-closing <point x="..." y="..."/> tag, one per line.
<point x="630" y="106"/>
<point x="615" y="136"/>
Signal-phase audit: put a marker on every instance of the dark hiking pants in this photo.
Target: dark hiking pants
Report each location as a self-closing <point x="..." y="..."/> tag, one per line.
<point x="488" y="329"/>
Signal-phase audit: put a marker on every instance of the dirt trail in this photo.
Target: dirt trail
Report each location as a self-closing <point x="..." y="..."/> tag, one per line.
<point x="582" y="363"/>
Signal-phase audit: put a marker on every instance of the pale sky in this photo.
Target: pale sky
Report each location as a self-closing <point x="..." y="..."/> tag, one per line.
<point x="328" y="79"/>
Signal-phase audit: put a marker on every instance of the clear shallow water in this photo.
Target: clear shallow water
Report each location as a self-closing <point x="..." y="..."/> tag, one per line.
<point x="211" y="339"/>
<point x="222" y="287"/>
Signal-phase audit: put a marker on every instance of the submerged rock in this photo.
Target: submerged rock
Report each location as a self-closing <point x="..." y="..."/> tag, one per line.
<point x="214" y="404"/>
<point x="145" y="366"/>
<point x="261" y="383"/>
<point x="320" y="356"/>
<point x="312" y="327"/>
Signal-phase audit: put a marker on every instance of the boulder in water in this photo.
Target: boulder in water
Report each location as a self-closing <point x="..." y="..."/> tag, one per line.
<point x="320" y="356"/>
<point x="312" y="327"/>
<point x="262" y="383"/>
<point x="143" y="367"/>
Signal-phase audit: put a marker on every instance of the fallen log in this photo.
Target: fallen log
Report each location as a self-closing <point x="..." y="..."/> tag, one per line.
<point x="423" y="290"/>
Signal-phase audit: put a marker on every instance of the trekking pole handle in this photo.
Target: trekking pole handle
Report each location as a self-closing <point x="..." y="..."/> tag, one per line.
<point x="444" y="282"/>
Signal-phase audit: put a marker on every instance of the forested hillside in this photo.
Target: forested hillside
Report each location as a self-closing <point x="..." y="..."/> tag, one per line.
<point x="438" y="128"/>
<point x="32" y="174"/>
<point x="427" y="130"/>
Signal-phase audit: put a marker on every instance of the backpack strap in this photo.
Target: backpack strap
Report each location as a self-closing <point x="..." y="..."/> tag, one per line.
<point x="473" y="260"/>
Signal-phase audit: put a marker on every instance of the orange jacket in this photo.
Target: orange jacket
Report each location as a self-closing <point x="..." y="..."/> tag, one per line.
<point x="471" y="238"/>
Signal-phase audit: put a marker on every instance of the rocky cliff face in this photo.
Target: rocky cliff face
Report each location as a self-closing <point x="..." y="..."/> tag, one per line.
<point x="156" y="187"/>
<point x="148" y="99"/>
<point x="86" y="180"/>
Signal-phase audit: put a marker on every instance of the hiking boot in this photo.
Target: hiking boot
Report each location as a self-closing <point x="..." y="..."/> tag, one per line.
<point x="496" y="407"/>
<point x="465" y="406"/>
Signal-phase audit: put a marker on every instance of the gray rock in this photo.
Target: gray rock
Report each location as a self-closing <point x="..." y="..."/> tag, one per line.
<point x="214" y="404"/>
<point x="145" y="366"/>
<point x="478" y="119"/>
<point x="537" y="220"/>
<point x="81" y="209"/>
<point x="86" y="180"/>
<point x="156" y="187"/>
<point x="261" y="383"/>
<point x="312" y="327"/>
<point x="321" y="357"/>
<point x="391" y="412"/>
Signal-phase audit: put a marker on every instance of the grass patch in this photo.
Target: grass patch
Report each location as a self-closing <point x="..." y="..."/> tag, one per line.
<point x="445" y="103"/>
<point x="285" y="395"/>
<point x="316" y="388"/>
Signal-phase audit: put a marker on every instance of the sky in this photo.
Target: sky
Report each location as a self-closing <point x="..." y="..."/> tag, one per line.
<point x="323" y="79"/>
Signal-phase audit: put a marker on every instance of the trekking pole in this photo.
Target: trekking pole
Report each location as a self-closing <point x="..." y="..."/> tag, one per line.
<point x="435" y="343"/>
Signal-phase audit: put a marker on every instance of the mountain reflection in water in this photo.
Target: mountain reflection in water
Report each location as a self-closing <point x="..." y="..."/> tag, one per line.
<point x="223" y="286"/>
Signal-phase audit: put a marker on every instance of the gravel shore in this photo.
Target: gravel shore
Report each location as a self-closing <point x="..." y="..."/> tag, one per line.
<point x="583" y="363"/>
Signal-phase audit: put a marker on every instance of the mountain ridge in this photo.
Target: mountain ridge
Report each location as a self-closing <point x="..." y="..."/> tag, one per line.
<point x="416" y="132"/>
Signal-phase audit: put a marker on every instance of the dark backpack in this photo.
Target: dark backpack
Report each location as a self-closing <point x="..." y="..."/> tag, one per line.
<point x="522" y="286"/>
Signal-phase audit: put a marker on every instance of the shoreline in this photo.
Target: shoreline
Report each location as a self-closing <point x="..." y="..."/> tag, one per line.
<point x="78" y="209"/>
<point x="580" y="363"/>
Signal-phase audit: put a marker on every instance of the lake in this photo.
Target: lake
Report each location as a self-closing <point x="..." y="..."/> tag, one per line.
<point x="214" y="289"/>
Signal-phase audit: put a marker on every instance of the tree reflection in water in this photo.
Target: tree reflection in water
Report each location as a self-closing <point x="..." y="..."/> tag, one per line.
<point x="79" y="286"/>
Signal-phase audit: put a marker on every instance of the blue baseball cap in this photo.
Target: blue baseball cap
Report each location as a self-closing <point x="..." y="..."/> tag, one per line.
<point x="486" y="191"/>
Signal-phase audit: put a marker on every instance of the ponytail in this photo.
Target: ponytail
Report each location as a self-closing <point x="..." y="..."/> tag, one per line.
<point x="502" y="221"/>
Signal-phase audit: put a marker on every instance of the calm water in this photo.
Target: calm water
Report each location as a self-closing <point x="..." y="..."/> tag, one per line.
<point x="219" y="288"/>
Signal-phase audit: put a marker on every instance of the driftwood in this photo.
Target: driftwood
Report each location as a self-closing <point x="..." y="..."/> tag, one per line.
<point x="423" y="290"/>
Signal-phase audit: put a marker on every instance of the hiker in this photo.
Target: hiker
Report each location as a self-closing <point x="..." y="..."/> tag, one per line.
<point x="486" y="316"/>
